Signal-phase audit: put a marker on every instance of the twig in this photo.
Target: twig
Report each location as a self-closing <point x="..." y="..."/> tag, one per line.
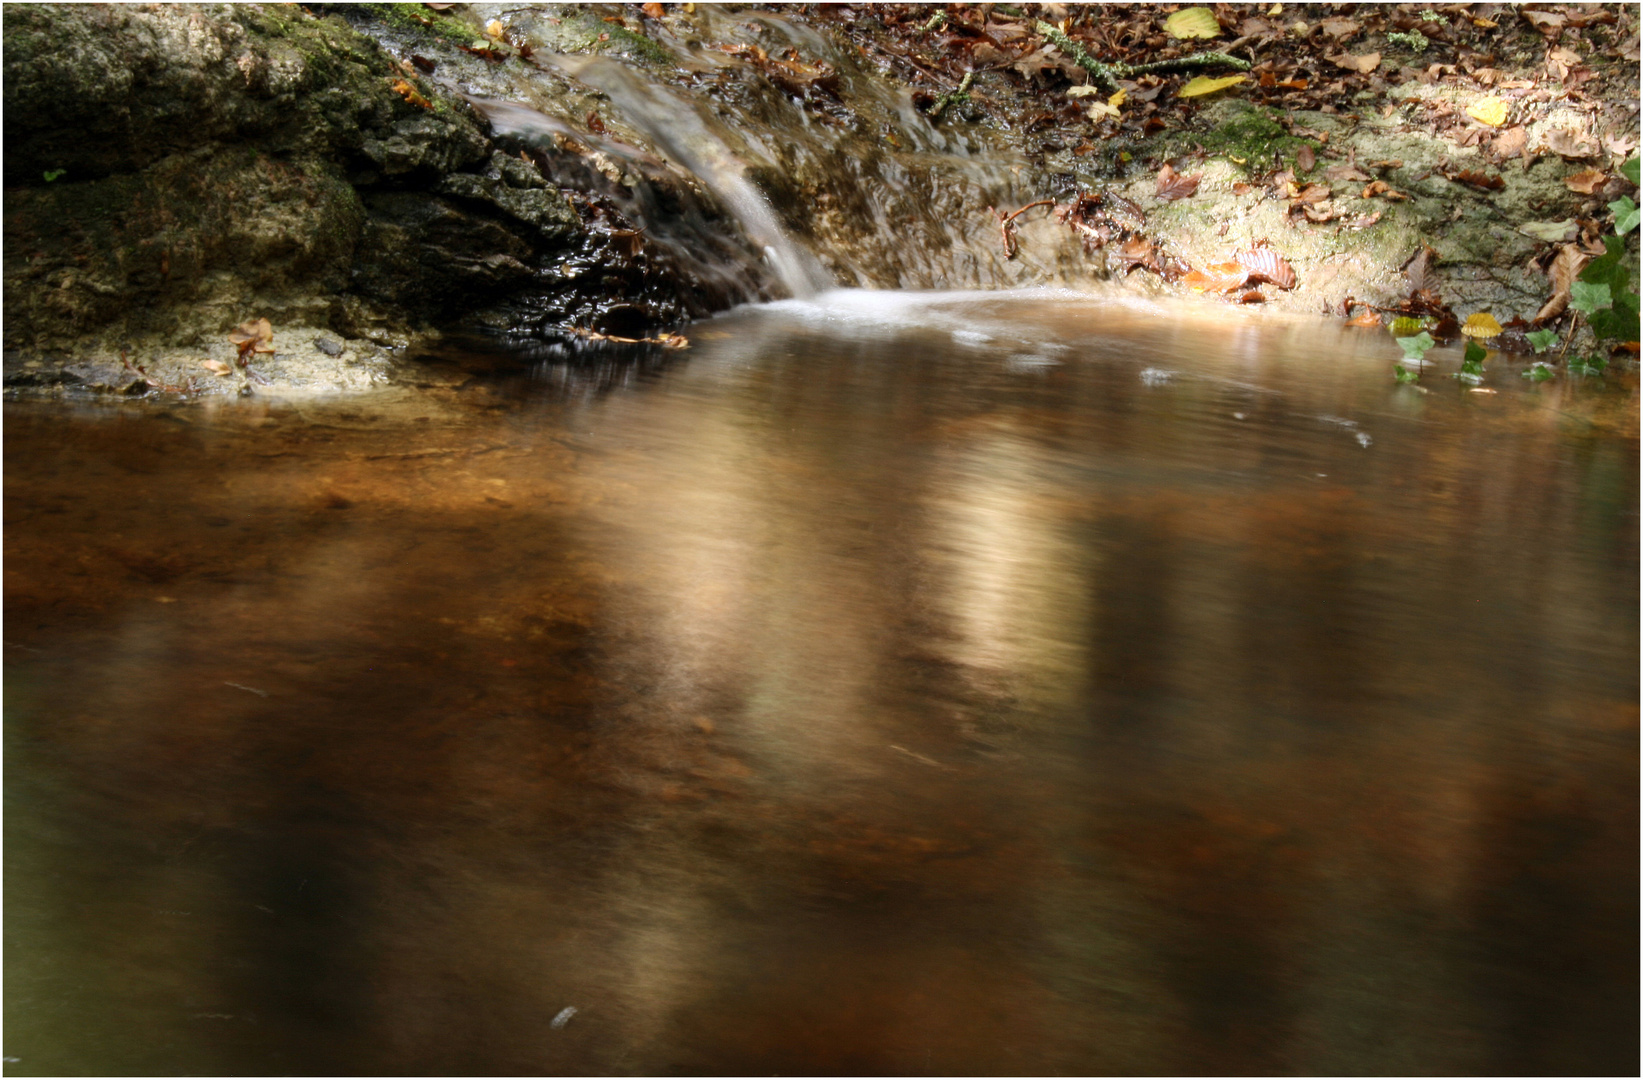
<point x="1024" y="209"/>
<point x="1574" y="324"/>
<point x="1106" y="75"/>
<point x="960" y="94"/>
<point x="1004" y="234"/>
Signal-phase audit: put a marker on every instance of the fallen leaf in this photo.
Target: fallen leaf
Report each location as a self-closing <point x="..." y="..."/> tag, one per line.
<point x="1509" y="143"/>
<point x="1172" y="185"/>
<point x="1264" y="264"/>
<point x="1217" y="277"/>
<point x="1569" y="144"/>
<point x="1552" y="232"/>
<point x="1312" y="193"/>
<point x="1253" y="296"/>
<point x="1204" y="85"/>
<point x="1363" y="64"/>
<point x="1489" y="110"/>
<point x="1305" y="159"/>
<point x="1419" y="271"/>
<point x="1084" y="91"/>
<point x="1339" y="28"/>
<point x="1586" y="181"/>
<point x="655" y="11"/>
<point x="1477" y="180"/>
<point x="495" y="29"/>
<point x="1381" y="187"/>
<point x="408" y="92"/>
<point x="1481" y="325"/>
<point x="1193" y="22"/>
<point x="1368" y="318"/>
<point x="1097" y="110"/>
<point x="1566" y="268"/>
<point x="216" y="367"/>
<point x="1548" y="23"/>
<point x="1564" y="272"/>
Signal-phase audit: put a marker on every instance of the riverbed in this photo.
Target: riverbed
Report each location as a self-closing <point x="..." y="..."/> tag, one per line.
<point x="886" y="684"/>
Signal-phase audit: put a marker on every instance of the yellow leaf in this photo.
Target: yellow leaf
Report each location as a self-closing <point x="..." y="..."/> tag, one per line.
<point x="1489" y="110"/>
<point x="1117" y="99"/>
<point x="1487" y="24"/>
<point x="1481" y="325"/>
<point x="495" y="29"/>
<point x="216" y="367"/>
<point x="1204" y="85"/>
<point x="1194" y="22"/>
<point x="1099" y="109"/>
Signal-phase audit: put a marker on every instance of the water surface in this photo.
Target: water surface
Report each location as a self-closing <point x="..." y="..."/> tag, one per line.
<point x="1014" y="685"/>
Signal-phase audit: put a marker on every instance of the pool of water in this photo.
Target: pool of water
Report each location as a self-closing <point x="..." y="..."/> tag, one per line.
<point x="894" y="685"/>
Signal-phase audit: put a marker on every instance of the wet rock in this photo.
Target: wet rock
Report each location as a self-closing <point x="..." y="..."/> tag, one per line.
<point x="329" y="345"/>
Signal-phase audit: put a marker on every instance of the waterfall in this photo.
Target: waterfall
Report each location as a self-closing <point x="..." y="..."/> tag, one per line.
<point x="678" y="130"/>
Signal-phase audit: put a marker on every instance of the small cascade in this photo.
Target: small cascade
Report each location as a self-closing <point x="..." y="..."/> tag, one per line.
<point x="678" y="130"/>
<point x="755" y="158"/>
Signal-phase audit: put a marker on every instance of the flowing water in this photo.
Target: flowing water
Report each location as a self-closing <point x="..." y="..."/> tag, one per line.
<point x="1020" y="684"/>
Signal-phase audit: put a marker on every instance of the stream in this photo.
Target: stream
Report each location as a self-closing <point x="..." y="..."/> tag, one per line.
<point x="889" y="683"/>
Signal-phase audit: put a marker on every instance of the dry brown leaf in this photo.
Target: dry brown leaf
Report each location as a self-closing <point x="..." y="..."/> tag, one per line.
<point x="1363" y="64"/>
<point x="1381" y="187"/>
<point x="655" y="11"/>
<point x="1587" y="181"/>
<point x="1368" y="318"/>
<point x="1264" y="264"/>
<point x="1547" y="22"/>
<point x="1477" y="179"/>
<point x="1510" y="143"/>
<point x="1173" y="185"/>
<point x="216" y="367"/>
<point x="1217" y="277"/>
<point x="1305" y="159"/>
<point x="1419" y="271"/>
<point x="1570" y="144"/>
<point x="1312" y="193"/>
<point x="1566" y="268"/>
<point x="1339" y="28"/>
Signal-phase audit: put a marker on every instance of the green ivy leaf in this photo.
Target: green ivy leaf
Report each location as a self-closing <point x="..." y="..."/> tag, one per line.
<point x="1538" y="372"/>
<point x="1625" y="215"/>
<point x="1474" y="355"/>
<point x="52" y="174"/>
<point x="1542" y="339"/>
<point x="1415" y="348"/>
<point x="1586" y="297"/>
<point x="1629" y="170"/>
<point x="1403" y="374"/>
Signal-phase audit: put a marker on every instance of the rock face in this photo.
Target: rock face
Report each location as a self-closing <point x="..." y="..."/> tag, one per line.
<point x="172" y="170"/>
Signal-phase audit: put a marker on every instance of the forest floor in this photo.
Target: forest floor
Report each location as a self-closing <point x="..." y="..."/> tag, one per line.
<point x="1493" y="133"/>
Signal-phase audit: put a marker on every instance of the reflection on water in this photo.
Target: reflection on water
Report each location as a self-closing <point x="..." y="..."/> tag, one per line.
<point x="1009" y="686"/>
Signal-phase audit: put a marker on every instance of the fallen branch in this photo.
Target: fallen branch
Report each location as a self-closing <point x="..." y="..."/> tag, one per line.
<point x="961" y="94"/>
<point x="1106" y="76"/>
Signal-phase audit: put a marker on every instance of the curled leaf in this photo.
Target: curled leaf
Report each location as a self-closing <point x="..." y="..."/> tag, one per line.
<point x="216" y="367"/>
<point x="1381" y="187"/>
<point x="1587" y="181"/>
